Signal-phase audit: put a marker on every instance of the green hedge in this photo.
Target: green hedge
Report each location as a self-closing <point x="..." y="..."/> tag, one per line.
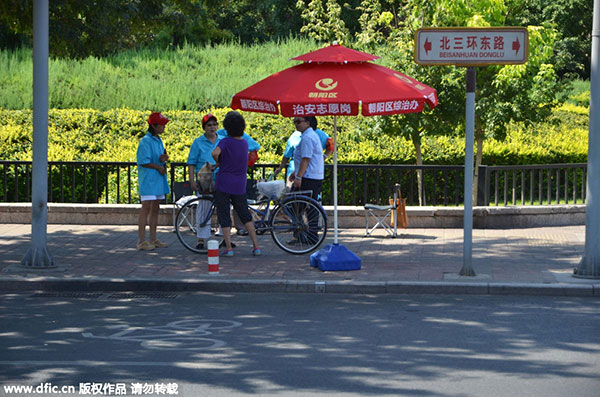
<point x="113" y="135"/>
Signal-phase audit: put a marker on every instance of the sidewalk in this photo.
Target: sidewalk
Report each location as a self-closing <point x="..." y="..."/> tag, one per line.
<point x="421" y="260"/>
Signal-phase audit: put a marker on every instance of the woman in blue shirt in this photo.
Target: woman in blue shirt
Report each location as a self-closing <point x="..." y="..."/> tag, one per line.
<point x="152" y="178"/>
<point x="201" y="154"/>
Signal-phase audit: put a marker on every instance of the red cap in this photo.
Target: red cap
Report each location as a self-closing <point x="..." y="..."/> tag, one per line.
<point x="208" y="117"/>
<point x="157" y="118"/>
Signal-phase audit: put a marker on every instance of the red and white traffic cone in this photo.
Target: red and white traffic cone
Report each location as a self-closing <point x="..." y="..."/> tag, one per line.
<point x="213" y="257"/>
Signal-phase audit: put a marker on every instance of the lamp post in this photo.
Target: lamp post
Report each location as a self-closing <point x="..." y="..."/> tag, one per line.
<point x="589" y="266"/>
<point x="38" y="256"/>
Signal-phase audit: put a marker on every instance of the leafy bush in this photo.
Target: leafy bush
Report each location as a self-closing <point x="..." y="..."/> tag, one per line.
<point x="113" y="135"/>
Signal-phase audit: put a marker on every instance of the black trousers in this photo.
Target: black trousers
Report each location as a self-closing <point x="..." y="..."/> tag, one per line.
<point x="240" y="205"/>
<point x="312" y="184"/>
<point x="308" y="215"/>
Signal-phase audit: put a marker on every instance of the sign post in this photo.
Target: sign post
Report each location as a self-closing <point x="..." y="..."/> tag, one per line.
<point x="470" y="47"/>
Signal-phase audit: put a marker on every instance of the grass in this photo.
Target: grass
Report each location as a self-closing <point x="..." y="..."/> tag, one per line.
<point x="189" y="78"/>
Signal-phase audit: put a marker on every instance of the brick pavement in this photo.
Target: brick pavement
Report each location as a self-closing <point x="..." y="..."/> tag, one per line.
<point x="531" y="256"/>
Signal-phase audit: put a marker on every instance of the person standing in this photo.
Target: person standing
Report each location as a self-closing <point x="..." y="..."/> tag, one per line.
<point x="152" y="160"/>
<point x="253" y="148"/>
<point x="201" y="149"/>
<point x="309" y="164"/>
<point x="231" y="155"/>
<point x="309" y="171"/>
<point x="200" y="154"/>
<point x="293" y="142"/>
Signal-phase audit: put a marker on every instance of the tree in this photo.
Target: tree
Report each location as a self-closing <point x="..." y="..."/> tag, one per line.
<point x="190" y="21"/>
<point x="251" y="21"/>
<point x="321" y="23"/>
<point x="504" y="93"/>
<point x="80" y="27"/>
<point x="572" y="19"/>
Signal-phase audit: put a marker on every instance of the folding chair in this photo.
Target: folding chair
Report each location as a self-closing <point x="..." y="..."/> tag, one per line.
<point x="374" y="211"/>
<point x="180" y="189"/>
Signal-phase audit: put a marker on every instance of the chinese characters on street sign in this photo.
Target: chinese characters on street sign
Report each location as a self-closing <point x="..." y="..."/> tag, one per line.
<point x="471" y="46"/>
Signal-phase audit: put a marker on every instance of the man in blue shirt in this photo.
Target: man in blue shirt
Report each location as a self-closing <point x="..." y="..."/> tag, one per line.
<point x="309" y="165"/>
<point x="293" y="142"/>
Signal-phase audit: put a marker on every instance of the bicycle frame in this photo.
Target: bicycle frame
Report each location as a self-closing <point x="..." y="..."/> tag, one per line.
<point x="261" y="225"/>
<point x="297" y="223"/>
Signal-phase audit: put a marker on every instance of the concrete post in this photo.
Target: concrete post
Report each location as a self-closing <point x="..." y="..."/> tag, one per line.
<point x="38" y="255"/>
<point x="589" y="266"/>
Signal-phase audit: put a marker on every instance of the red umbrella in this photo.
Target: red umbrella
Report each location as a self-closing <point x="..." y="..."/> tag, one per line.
<point x="336" y="53"/>
<point x="336" y="81"/>
<point x="335" y="88"/>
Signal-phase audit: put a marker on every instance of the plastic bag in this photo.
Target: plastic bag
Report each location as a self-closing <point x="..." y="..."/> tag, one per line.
<point x="271" y="189"/>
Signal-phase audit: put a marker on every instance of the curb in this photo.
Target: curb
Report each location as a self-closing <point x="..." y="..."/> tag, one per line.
<point x="301" y="286"/>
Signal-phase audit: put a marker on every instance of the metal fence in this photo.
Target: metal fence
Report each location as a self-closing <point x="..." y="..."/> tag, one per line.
<point x="535" y="184"/>
<point x="116" y="182"/>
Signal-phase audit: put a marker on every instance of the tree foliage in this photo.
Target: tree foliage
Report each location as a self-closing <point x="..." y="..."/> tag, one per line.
<point x="572" y="20"/>
<point x="91" y="27"/>
<point x="323" y="22"/>
<point x="505" y="93"/>
<point x="79" y="28"/>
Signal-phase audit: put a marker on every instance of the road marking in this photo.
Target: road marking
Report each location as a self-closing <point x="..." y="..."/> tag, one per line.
<point x="91" y="363"/>
<point x="176" y="335"/>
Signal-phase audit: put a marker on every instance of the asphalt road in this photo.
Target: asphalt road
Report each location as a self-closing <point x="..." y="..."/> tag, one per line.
<point x="210" y="344"/>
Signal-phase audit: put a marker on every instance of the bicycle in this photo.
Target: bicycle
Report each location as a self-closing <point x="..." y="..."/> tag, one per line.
<point x="297" y="222"/>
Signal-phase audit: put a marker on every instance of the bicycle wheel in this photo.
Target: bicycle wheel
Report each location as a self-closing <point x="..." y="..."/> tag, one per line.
<point x="196" y="221"/>
<point x="298" y="225"/>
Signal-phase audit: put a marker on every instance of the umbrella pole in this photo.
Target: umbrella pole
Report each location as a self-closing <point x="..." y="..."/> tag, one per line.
<point x="335" y="197"/>
<point x="335" y="256"/>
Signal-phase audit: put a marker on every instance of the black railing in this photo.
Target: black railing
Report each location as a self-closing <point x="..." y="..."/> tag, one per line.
<point x="534" y="184"/>
<point x="116" y="182"/>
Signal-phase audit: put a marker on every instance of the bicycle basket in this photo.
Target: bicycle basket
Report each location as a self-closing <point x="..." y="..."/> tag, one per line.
<point x="271" y="189"/>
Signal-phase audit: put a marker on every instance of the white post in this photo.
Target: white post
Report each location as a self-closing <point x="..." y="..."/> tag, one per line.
<point x="589" y="266"/>
<point x="335" y="196"/>
<point x="38" y="255"/>
<point x="467" y="269"/>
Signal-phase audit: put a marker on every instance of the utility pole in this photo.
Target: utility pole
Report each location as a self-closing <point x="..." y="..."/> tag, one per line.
<point x="38" y="256"/>
<point x="589" y="266"/>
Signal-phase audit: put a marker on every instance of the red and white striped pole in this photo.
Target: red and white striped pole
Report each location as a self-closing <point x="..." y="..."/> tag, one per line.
<point x="213" y="257"/>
